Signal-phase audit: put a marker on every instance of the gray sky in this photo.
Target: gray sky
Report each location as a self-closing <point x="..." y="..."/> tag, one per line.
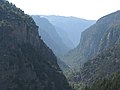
<point x="87" y="9"/>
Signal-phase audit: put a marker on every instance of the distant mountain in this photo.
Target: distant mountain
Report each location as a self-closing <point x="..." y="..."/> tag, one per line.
<point x="64" y="37"/>
<point x="50" y="36"/>
<point x="100" y="36"/>
<point x="26" y="63"/>
<point x="71" y="25"/>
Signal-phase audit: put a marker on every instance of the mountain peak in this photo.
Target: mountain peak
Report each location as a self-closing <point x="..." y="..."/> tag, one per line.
<point x="110" y="17"/>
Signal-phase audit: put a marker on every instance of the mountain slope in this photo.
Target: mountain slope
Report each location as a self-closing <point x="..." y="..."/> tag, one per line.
<point x="26" y="63"/>
<point x="107" y="61"/>
<point x="71" y="25"/>
<point x="92" y="37"/>
<point x="65" y="38"/>
<point x="50" y="36"/>
<point x="102" y="35"/>
<point x="102" y="66"/>
<point x="111" y="83"/>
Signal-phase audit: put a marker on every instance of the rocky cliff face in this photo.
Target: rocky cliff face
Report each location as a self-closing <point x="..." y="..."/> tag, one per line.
<point x="26" y="63"/>
<point x="111" y="37"/>
<point x="102" y="35"/>
<point x="107" y="61"/>
<point x="92" y="39"/>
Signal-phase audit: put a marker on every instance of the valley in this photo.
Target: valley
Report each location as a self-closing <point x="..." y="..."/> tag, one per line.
<point x="96" y="57"/>
<point x="52" y="52"/>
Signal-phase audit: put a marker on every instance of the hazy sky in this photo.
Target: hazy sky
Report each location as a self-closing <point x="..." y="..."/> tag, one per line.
<point x="87" y="9"/>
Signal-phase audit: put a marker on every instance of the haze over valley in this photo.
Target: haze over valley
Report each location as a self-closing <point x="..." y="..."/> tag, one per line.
<point x="59" y="45"/>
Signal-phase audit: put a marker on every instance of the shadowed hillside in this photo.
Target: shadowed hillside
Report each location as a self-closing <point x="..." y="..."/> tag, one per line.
<point x="26" y="63"/>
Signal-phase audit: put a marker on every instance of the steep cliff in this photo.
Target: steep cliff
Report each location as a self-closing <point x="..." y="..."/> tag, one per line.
<point x="26" y="63"/>
<point x="93" y="37"/>
<point x="107" y="57"/>
<point x="102" y="35"/>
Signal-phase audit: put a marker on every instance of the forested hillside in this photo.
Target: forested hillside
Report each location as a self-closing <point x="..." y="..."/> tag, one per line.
<point x="26" y="63"/>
